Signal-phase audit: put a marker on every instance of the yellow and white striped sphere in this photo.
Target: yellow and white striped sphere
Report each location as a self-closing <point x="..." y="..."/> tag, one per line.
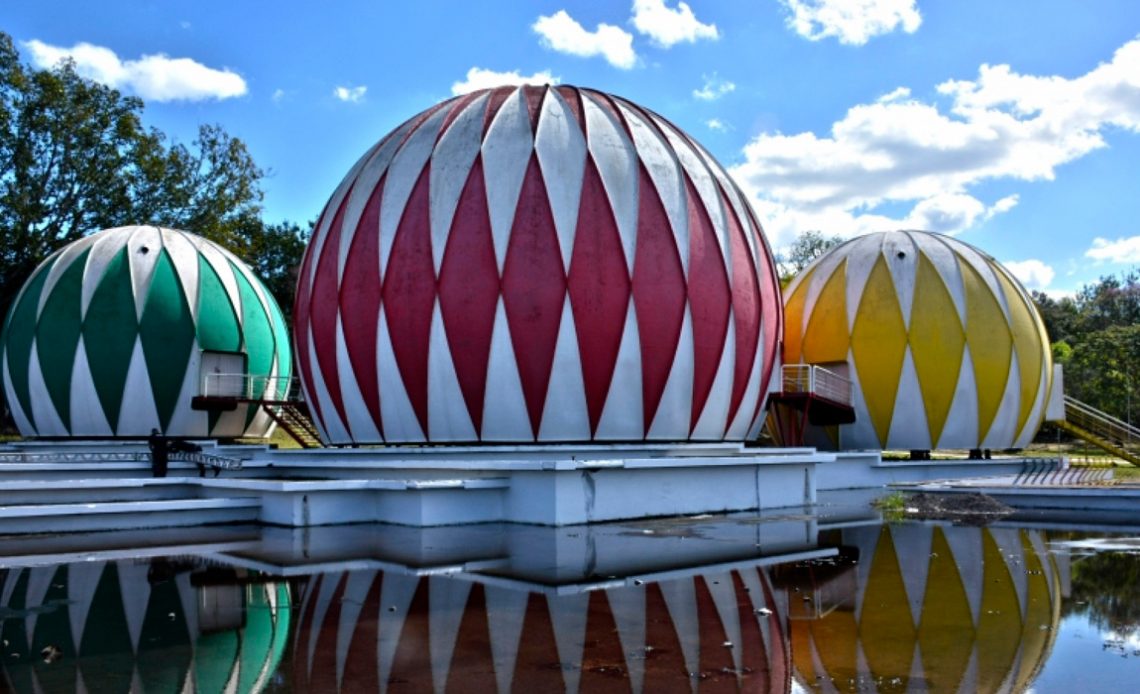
<point x="943" y="346"/>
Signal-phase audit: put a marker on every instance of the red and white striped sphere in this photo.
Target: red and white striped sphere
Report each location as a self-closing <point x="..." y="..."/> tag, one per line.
<point x="537" y="264"/>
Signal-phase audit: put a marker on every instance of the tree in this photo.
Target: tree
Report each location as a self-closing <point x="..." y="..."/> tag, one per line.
<point x="807" y="247"/>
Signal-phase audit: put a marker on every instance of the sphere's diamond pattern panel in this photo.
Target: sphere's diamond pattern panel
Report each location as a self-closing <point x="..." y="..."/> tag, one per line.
<point x="537" y="229"/>
<point x="939" y="334"/>
<point x="108" y="335"/>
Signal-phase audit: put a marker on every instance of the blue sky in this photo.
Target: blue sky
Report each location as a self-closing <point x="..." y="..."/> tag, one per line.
<point x="1015" y="125"/>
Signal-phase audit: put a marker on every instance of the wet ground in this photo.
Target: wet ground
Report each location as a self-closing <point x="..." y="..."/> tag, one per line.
<point x="825" y="599"/>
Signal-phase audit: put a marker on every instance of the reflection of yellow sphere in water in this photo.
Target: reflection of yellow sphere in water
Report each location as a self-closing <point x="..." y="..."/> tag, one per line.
<point x="943" y="346"/>
<point x="964" y="609"/>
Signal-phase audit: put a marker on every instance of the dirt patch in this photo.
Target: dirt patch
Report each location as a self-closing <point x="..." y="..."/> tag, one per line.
<point x="969" y="509"/>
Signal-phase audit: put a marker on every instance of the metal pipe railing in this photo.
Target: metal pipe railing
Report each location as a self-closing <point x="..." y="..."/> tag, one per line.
<point x="810" y="378"/>
<point x="241" y="385"/>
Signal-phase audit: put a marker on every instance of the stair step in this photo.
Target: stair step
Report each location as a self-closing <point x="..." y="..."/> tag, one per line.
<point x="109" y="515"/>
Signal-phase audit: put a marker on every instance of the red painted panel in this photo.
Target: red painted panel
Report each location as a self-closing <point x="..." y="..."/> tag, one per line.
<point x="745" y="308"/>
<point x="361" y="671"/>
<point x="771" y="306"/>
<point x="469" y="291"/>
<point x="709" y="300"/>
<point x="411" y="663"/>
<point x="534" y="289"/>
<point x="718" y="671"/>
<point x="537" y="667"/>
<point x="665" y="668"/>
<point x="323" y="318"/>
<point x="494" y="103"/>
<point x="574" y="102"/>
<point x="360" y="302"/>
<point x="322" y="678"/>
<point x="658" y="295"/>
<point x="533" y="96"/>
<point x="472" y="667"/>
<point x="753" y="655"/>
<point x="599" y="290"/>
<point x="301" y="312"/>
<point x="409" y="296"/>
<point x="603" y="659"/>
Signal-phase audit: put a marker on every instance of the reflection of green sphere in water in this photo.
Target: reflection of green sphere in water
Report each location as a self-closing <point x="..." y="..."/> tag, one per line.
<point x="964" y="609"/>
<point x="104" y="627"/>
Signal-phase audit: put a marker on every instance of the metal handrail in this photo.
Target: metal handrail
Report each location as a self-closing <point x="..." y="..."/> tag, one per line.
<point x="1099" y="423"/>
<point x="810" y="378"/>
<point x="243" y="385"/>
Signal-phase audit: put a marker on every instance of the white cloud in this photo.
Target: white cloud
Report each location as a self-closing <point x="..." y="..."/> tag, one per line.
<point x="853" y="22"/>
<point x="352" y="95"/>
<point x="562" y="33"/>
<point x="900" y="94"/>
<point x="1032" y="273"/>
<point x="717" y="125"/>
<point x="154" y="77"/>
<point x="1122" y="250"/>
<point x="714" y="88"/>
<point x="482" y="78"/>
<point x="667" y="26"/>
<point x="278" y="95"/>
<point x="1002" y="125"/>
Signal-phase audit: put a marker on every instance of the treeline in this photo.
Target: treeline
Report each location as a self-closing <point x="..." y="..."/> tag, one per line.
<point x="1096" y="337"/>
<point x="75" y="158"/>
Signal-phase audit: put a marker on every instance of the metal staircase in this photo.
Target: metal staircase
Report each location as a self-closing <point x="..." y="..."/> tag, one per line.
<point x="293" y="417"/>
<point x="1115" y="436"/>
<point x="286" y="407"/>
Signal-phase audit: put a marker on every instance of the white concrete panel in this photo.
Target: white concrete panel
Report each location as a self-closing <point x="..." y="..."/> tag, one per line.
<point x="82" y="580"/>
<point x="1001" y="432"/>
<point x="982" y="264"/>
<point x="403" y="173"/>
<point x="668" y="179"/>
<point x="505" y="415"/>
<point x="63" y="262"/>
<point x="360" y="424"/>
<point x="724" y="599"/>
<point x="507" y="148"/>
<point x="143" y="263"/>
<point x="713" y="420"/>
<point x="87" y="417"/>
<point x="330" y="419"/>
<point x="105" y="246"/>
<point x="135" y="591"/>
<point x="966" y="544"/>
<point x="329" y="583"/>
<point x="184" y="420"/>
<point x="561" y="150"/>
<point x="742" y="420"/>
<point x="364" y="182"/>
<point x="1054" y="412"/>
<point x="909" y="428"/>
<point x="356" y="588"/>
<point x="861" y="434"/>
<point x="903" y="269"/>
<point x="946" y="263"/>
<point x="506" y="609"/>
<point x="39" y="580"/>
<point x="23" y="421"/>
<point x="1013" y="555"/>
<point x="862" y="254"/>
<point x="568" y="617"/>
<point x="396" y="413"/>
<point x="448" y="419"/>
<point x="675" y="411"/>
<point x="616" y="160"/>
<point x="565" y="415"/>
<point x="138" y="414"/>
<point x="184" y="257"/>
<point x="222" y="268"/>
<point x="866" y="539"/>
<point x="451" y="163"/>
<point x="622" y="416"/>
<point x="961" y="428"/>
<point x="48" y="421"/>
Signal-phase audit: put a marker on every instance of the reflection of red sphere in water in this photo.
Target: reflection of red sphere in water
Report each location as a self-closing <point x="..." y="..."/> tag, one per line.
<point x="359" y="629"/>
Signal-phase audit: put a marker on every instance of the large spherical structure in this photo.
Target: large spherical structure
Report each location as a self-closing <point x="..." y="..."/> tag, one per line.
<point x="537" y="263"/>
<point x="114" y="334"/>
<point x="943" y="346"/>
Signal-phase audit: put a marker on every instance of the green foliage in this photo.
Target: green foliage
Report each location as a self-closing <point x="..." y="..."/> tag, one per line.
<point x="76" y="158"/>
<point x="807" y="247"/>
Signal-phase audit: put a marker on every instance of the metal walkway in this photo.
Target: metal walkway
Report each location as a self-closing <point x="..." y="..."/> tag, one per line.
<point x="1112" y="435"/>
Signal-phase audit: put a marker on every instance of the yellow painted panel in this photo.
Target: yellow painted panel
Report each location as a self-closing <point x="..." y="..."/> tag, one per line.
<point x="886" y="627"/>
<point x="991" y="346"/>
<point x="1031" y="351"/>
<point x="878" y="343"/>
<point x="946" y="629"/>
<point x="836" y="637"/>
<point x="794" y="320"/>
<point x="1038" y="616"/>
<point x="999" y="627"/>
<point x="936" y="343"/>
<point x="827" y="337"/>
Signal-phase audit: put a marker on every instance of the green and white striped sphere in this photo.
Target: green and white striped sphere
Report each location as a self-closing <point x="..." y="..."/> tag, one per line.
<point x="107" y="336"/>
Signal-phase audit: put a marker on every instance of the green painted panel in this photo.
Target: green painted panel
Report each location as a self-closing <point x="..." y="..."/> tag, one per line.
<point x="165" y="648"/>
<point x="214" y="659"/>
<point x="57" y="336"/>
<point x="284" y="348"/>
<point x="14" y="638"/>
<point x="109" y="332"/>
<point x="105" y="631"/>
<point x="257" y="638"/>
<point x="167" y="334"/>
<point x="218" y="328"/>
<point x="21" y="331"/>
<point x="258" y="333"/>
<point x="53" y="630"/>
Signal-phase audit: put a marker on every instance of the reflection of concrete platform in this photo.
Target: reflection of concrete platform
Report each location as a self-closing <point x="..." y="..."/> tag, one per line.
<point x="420" y="486"/>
